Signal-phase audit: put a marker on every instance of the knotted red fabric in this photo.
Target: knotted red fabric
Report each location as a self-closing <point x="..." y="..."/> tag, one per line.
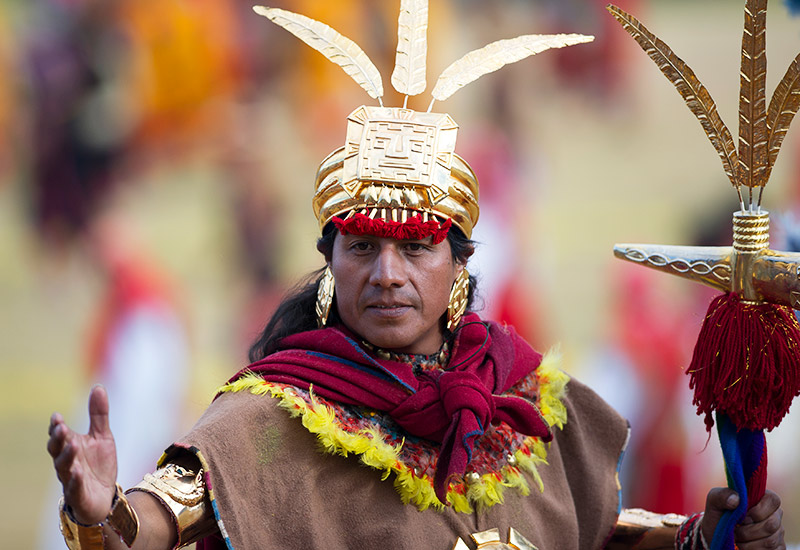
<point x="453" y="406"/>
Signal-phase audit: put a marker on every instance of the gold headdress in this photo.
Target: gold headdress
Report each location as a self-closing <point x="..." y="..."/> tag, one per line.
<point x="398" y="172"/>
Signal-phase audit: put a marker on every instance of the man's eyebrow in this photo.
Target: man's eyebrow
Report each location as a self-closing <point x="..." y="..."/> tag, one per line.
<point x="426" y="240"/>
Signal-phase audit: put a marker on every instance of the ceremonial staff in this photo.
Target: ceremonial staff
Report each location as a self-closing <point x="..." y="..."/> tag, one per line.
<point x="746" y="363"/>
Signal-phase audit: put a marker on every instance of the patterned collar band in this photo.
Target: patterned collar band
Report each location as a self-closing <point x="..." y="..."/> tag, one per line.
<point x="419" y="361"/>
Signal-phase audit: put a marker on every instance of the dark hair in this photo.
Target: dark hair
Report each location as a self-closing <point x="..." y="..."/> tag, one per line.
<point x="297" y="313"/>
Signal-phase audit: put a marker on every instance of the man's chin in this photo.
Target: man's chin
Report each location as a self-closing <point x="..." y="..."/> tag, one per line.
<point x="399" y="342"/>
<point x="389" y="342"/>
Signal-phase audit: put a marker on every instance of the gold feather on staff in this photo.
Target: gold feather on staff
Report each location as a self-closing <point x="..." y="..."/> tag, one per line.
<point x="689" y="86"/>
<point x="752" y="97"/>
<point x="337" y="48"/>
<point x="497" y="54"/>
<point x="412" y="47"/>
<point x="782" y="107"/>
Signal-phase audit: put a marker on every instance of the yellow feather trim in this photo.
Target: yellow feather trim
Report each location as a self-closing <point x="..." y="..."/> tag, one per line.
<point x="516" y="480"/>
<point x="370" y="444"/>
<point x="416" y="490"/>
<point x="459" y="502"/>
<point x="486" y="492"/>
<point x="553" y="388"/>
<point x="528" y="463"/>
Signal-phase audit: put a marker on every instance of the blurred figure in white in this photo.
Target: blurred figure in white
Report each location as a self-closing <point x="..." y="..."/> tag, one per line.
<point x="138" y="350"/>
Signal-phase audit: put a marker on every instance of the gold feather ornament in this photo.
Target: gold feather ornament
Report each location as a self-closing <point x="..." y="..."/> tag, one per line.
<point x="761" y="130"/>
<point x="337" y="48"/>
<point x="412" y="48"/>
<point x="495" y="55"/>
<point x="782" y="108"/>
<point x="752" y="98"/>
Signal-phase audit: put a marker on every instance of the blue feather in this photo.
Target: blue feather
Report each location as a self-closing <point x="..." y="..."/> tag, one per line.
<point x="793" y="5"/>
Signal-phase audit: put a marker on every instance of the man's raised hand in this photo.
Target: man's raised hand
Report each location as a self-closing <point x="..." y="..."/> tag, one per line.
<point x="86" y="464"/>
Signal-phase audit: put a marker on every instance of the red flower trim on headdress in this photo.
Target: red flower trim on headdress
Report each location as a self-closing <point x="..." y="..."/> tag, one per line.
<point x="414" y="228"/>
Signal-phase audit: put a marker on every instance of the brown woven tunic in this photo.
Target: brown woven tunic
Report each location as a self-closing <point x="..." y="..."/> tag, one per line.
<point x="272" y="487"/>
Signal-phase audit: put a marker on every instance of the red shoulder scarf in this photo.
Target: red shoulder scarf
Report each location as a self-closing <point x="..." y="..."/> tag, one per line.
<point x="452" y="406"/>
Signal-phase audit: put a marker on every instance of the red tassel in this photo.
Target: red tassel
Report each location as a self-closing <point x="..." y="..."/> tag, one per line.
<point x="746" y="363"/>
<point x="412" y="229"/>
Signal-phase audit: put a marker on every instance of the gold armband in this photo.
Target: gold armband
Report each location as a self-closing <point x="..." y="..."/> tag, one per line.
<point x="183" y="493"/>
<point x="643" y="530"/>
<point x="121" y="518"/>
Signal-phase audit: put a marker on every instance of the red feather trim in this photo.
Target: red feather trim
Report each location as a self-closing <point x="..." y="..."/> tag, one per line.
<point x="412" y="229"/>
<point x="746" y="363"/>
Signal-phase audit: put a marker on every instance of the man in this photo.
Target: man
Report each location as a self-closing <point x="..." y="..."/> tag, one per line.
<point x="378" y="363"/>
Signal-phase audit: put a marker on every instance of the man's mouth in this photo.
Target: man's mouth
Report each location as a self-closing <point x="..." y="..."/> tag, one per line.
<point x="389" y="310"/>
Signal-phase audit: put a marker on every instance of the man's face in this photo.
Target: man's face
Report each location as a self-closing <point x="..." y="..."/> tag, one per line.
<point x="393" y="293"/>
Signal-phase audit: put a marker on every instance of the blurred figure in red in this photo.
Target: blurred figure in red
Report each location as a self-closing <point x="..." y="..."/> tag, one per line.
<point x="137" y="343"/>
<point x="641" y="373"/>
<point x="602" y="69"/>
<point x="654" y="334"/>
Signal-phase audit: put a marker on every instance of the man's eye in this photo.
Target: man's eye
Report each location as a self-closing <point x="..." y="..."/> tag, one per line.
<point x="415" y="247"/>
<point x="361" y="246"/>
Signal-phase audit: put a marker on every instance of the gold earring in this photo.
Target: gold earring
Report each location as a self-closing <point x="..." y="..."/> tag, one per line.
<point x="324" y="297"/>
<point x="458" y="300"/>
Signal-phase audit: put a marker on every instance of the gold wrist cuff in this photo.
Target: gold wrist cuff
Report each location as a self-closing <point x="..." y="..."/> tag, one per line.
<point x="121" y="518"/>
<point x="182" y="491"/>
<point x="77" y="535"/>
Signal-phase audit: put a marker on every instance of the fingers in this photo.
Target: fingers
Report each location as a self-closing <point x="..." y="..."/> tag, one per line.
<point x="63" y="447"/>
<point x="762" y="527"/>
<point x="768" y="505"/>
<point x="776" y="541"/>
<point x="718" y="501"/>
<point x="59" y="448"/>
<point x="58" y="438"/>
<point x="65" y="463"/>
<point x="721" y="499"/>
<point x="85" y="463"/>
<point x="64" y="443"/>
<point x="55" y="420"/>
<point x="98" y="412"/>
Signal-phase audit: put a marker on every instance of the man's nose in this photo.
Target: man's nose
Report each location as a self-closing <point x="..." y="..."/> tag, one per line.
<point x="388" y="269"/>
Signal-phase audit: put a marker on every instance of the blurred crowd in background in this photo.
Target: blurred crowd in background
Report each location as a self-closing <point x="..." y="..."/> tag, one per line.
<point x="156" y="168"/>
